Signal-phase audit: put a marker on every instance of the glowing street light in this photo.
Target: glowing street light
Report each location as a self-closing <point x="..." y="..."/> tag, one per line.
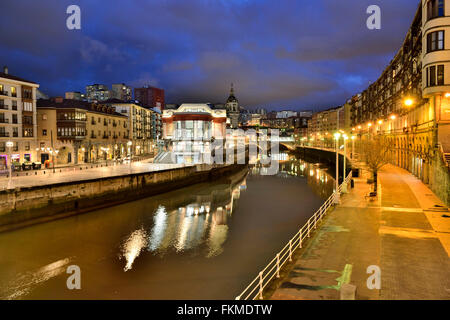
<point x="447" y="95"/>
<point x="393" y="117"/>
<point x="380" y="122"/>
<point x="409" y="102"/>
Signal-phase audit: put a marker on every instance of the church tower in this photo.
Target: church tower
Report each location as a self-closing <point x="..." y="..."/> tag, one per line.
<point x="233" y="109"/>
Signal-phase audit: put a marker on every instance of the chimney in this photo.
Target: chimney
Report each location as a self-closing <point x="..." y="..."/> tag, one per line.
<point x="59" y="99"/>
<point x="5" y="70"/>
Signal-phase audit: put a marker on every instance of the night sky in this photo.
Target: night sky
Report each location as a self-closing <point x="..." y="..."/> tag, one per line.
<point x="285" y="54"/>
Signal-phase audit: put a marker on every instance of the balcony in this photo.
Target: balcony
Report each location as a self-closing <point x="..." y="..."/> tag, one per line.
<point x="3" y="93"/>
<point x="3" y="120"/>
<point x="4" y="134"/>
<point x="15" y="134"/>
<point x="3" y="107"/>
<point x="93" y="136"/>
<point x="105" y="136"/>
<point x="14" y="95"/>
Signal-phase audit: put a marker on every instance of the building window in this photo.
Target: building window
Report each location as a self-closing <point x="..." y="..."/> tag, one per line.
<point x="435" y="9"/>
<point x="27" y="132"/>
<point x="28" y="106"/>
<point x="44" y="132"/>
<point x="435" y="41"/>
<point x="435" y="76"/>
<point x="440" y="75"/>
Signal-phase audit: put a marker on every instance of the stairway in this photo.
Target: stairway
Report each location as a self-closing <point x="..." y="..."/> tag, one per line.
<point x="164" y="157"/>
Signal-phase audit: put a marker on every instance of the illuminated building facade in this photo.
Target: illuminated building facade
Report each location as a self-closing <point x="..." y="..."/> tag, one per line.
<point x="190" y="130"/>
<point x="410" y="103"/>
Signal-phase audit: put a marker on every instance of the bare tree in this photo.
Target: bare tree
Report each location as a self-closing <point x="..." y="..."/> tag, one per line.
<point x="375" y="153"/>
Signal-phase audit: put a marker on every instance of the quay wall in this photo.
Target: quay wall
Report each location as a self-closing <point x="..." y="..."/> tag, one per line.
<point x="325" y="157"/>
<point x="25" y="206"/>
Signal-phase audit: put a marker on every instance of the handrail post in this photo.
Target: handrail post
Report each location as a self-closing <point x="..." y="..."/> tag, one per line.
<point x="260" y="285"/>
<point x="309" y="229"/>
<point x="290" y="250"/>
<point x="315" y="222"/>
<point x="278" y="265"/>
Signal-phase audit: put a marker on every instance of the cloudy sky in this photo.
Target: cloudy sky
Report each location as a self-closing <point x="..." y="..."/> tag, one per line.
<point x="280" y="54"/>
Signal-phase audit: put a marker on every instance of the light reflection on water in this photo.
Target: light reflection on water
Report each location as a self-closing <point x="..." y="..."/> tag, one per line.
<point x="185" y="228"/>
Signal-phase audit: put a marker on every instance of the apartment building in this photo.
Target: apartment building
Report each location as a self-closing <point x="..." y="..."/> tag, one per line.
<point x="141" y="124"/>
<point x="17" y="119"/>
<point x="409" y="104"/>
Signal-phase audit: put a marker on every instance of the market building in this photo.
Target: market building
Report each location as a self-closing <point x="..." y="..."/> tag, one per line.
<point x="190" y="130"/>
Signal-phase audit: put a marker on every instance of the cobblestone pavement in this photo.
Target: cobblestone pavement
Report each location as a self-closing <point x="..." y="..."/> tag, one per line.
<point x="404" y="232"/>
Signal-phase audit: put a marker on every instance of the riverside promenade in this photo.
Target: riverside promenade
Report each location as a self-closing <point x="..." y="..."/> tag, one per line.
<point x="81" y="173"/>
<point x="405" y="232"/>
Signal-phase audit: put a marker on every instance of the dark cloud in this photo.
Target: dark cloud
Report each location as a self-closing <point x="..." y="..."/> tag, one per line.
<point x="280" y="54"/>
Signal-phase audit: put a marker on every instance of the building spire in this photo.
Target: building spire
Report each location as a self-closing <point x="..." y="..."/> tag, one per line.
<point x="232" y="89"/>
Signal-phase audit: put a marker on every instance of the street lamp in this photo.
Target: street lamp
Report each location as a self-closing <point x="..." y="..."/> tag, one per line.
<point x="131" y="152"/>
<point x="337" y="136"/>
<point x="344" y="185"/>
<point x="409" y="102"/>
<point x="10" y="144"/>
<point x="353" y="147"/>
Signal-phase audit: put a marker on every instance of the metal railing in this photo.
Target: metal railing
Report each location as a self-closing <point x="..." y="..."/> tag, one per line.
<point x="272" y="270"/>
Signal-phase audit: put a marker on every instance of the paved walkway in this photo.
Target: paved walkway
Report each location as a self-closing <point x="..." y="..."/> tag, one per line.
<point x="85" y="174"/>
<point x="404" y="232"/>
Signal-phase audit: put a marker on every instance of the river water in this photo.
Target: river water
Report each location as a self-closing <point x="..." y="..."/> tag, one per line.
<point x="207" y="241"/>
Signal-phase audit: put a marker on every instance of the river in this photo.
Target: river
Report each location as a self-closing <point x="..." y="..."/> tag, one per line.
<point x="206" y="241"/>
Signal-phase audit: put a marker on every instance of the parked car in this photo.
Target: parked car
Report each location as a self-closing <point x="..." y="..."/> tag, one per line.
<point x="27" y="165"/>
<point x="37" y="165"/>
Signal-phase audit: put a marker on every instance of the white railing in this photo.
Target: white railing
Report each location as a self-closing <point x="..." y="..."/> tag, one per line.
<point x="272" y="270"/>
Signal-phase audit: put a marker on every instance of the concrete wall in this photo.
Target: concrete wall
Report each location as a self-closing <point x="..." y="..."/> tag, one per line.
<point x="25" y="206"/>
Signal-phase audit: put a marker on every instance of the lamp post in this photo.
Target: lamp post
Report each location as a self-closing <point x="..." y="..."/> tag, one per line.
<point x="337" y="196"/>
<point x="344" y="185"/>
<point x="9" y="145"/>
<point x="353" y="147"/>
<point x="131" y="152"/>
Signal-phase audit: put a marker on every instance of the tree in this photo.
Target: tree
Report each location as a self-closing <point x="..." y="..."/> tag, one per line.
<point x="375" y="153"/>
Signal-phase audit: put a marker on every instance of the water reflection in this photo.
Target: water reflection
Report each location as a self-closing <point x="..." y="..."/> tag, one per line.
<point x="202" y="220"/>
<point x="24" y="283"/>
<point x="133" y="246"/>
<point x="317" y="176"/>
